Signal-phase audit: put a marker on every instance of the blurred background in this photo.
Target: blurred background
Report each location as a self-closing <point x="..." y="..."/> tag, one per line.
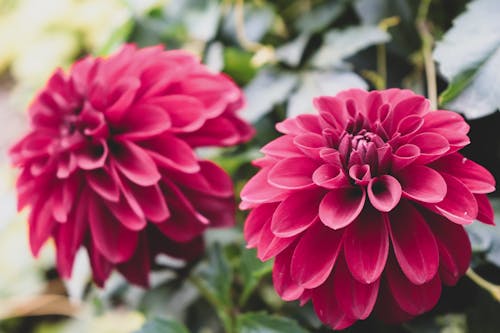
<point x="282" y="53"/>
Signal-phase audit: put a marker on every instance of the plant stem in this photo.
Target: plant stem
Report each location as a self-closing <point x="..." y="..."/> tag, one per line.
<point x="427" y="43"/>
<point x="225" y="314"/>
<point x="493" y="289"/>
<point x="382" y="65"/>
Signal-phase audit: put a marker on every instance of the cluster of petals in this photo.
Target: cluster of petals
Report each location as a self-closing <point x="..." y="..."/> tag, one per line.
<point x="109" y="161"/>
<point x="363" y="205"/>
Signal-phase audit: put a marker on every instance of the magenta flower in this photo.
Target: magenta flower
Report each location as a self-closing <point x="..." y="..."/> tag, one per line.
<point x="363" y="205"/>
<point x="109" y="161"/>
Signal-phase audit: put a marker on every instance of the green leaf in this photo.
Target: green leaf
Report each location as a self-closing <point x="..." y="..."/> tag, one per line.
<point x="469" y="58"/>
<point x="268" y="88"/>
<point x="237" y="65"/>
<point x="320" y="17"/>
<point x="252" y="272"/>
<point x="160" y="325"/>
<point x="217" y="276"/>
<point x="260" y="322"/>
<point x="340" y="44"/>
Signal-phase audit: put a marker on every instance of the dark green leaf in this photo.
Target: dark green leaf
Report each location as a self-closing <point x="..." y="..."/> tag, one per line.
<point x="237" y="65"/>
<point x="252" y="271"/>
<point x="263" y="323"/>
<point x="159" y="325"/>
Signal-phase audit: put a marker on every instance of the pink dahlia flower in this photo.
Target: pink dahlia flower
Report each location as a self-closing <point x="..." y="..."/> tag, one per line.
<point x="109" y="163"/>
<point x="363" y="205"/>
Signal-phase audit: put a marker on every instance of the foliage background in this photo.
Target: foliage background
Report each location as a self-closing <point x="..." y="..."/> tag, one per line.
<point x="282" y="53"/>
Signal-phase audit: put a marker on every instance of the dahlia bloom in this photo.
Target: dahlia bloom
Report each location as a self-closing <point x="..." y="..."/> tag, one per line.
<point x="363" y="205"/>
<point x="109" y="164"/>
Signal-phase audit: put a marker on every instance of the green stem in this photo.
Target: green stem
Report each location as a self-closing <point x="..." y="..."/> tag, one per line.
<point x="382" y="65"/>
<point x="225" y="314"/>
<point x="493" y="289"/>
<point x="427" y="43"/>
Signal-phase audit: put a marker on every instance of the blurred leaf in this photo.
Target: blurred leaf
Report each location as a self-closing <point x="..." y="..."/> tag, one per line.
<point x="159" y="325"/>
<point x="201" y="18"/>
<point x="260" y="322"/>
<point x="316" y="83"/>
<point x="217" y="275"/>
<point x="214" y="57"/>
<point x="252" y="270"/>
<point x="320" y="16"/>
<point x="469" y="57"/>
<point x="340" y="44"/>
<point x="237" y="64"/>
<point x="486" y="238"/>
<point x="291" y="52"/>
<point x="373" y="11"/>
<point x="258" y="21"/>
<point x="268" y="88"/>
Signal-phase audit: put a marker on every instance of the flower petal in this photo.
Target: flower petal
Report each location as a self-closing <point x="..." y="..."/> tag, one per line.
<point x="315" y="255"/>
<point x="327" y="308"/>
<point x="422" y="183"/>
<point x="366" y="246"/>
<point x="258" y="190"/>
<point x="135" y="164"/>
<point x="143" y="121"/>
<point x="459" y="204"/>
<point x="355" y="298"/>
<point x="285" y="286"/>
<point x="474" y="176"/>
<point x="485" y="210"/>
<point x="292" y="173"/>
<point x="282" y="147"/>
<point x="310" y="144"/>
<point x="414" y="299"/>
<point x="432" y="146"/>
<point x="116" y="242"/>
<point x="384" y="192"/>
<point x="413" y="243"/>
<point x="341" y="206"/>
<point x="454" y="248"/>
<point x="255" y="221"/>
<point x="103" y="184"/>
<point x="296" y="213"/>
<point x="330" y="177"/>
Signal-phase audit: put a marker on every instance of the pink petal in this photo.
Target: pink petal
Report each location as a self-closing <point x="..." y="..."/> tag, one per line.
<point x="220" y="131"/>
<point x="285" y="286"/>
<point x="103" y="184"/>
<point x="361" y="174"/>
<point x="475" y="177"/>
<point x="293" y="173"/>
<point x="315" y="255"/>
<point x="485" y="210"/>
<point x="459" y="205"/>
<point x="282" y="147"/>
<point x="414" y="105"/>
<point x="135" y="164"/>
<point x="449" y="124"/>
<point x="422" y="183"/>
<point x="454" y="248"/>
<point x="310" y="144"/>
<point x="41" y="224"/>
<point x="387" y="309"/>
<point x="332" y="110"/>
<point x="341" y="206"/>
<point x="172" y="152"/>
<point x="220" y="211"/>
<point x="255" y="221"/>
<point x="366" y="246"/>
<point x="432" y="146"/>
<point x="126" y="216"/>
<point x="412" y="298"/>
<point x="404" y="156"/>
<point x="116" y="242"/>
<point x="258" y="190"/>
<point x="152" y="202"/>
<point x="101" y="267"/>
<point x="413" y="243"/>
<point x="186" y="112"/>
<point x="136" y="269"/>
<point x="330" y="177"/>
<point x="409" y="125"/>
<point x="384" y="193"/>
<point x="211" y="179"/>
<point x="355" y="298"/>
<point x="328" y="309"/>
<point x="143" y="121"/>
<point x="296" y="213"/>
<point x="270" y="245"/>
<point x="124" y="93"/>
<point x="92" y="156"/>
